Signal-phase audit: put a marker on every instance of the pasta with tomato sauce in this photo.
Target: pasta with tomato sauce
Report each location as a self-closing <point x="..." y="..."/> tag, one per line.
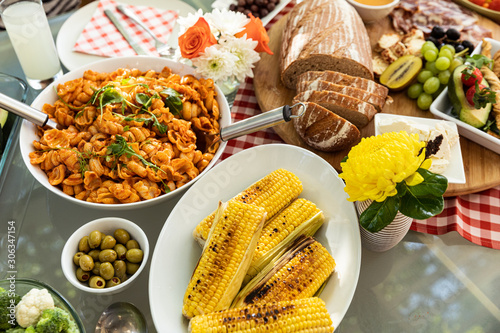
<point x="128" y="135"/>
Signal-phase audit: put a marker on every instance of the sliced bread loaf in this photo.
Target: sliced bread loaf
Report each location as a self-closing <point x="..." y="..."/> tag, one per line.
<point x="377" y="101"/>
<point x="324" y="35"/>
<point x="324" y="130"/>
<point x="352" y="109"/>
<point x="345" y="80"/>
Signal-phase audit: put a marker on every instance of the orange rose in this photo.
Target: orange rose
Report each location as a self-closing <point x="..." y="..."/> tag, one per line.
<point x="256" y="31"/>
<point x="196" y="39"/>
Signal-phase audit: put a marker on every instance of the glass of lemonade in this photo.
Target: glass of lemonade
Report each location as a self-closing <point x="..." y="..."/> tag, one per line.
<point x="30" y="34"/>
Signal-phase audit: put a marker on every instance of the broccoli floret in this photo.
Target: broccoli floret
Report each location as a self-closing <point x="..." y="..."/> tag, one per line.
<point x="5" y="307"/>
<point x="53" y="321"/>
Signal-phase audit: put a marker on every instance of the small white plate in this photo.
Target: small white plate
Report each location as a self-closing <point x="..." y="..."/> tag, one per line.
<point x="455" y="172"/>
<point x="74" y="25"/>
<point x="441" y="107"/>
<point x="176" y="252"/>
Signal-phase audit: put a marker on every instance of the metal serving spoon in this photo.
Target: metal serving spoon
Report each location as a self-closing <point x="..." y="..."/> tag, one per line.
<point x="249" y="125"/>
<point x="121" y="317"/>
<point x="25" y="111"/>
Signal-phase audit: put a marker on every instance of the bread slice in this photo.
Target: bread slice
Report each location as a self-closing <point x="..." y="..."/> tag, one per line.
<point x="352" y="109"/>
<point x="377" y="101"/>
<point x="324" y="130"/>
<point x="345" y="80"/>
<point x="324" y="35"/>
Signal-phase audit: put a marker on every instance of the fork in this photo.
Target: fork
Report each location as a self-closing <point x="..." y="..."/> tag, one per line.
<point x="163" y="49"/>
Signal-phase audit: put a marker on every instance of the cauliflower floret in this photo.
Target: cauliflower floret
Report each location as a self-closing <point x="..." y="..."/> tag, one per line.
<point x="32" y="304"/>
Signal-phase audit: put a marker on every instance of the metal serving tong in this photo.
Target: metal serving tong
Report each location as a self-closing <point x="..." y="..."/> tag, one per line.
<point x="250" y="125"/>
<point x="25" y="111"/>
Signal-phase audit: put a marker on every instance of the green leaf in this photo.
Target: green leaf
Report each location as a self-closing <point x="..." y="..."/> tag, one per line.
<point x="478" y="60"/>
<point x="143" y="99"/>
<point x="379" y="214"/>
<point x="433" y="184"/>
<point x="170" y="92"/>
<point x="421" y="208"/>
<point x="173" y="100"/>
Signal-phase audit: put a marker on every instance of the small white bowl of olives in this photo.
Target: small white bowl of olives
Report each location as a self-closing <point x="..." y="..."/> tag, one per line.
<point x="105" y="255"/>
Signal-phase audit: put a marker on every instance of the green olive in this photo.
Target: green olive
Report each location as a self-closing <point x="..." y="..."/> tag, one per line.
<point x="132" y="268"/>
<point x="102" y="235"/>
<point x="132" y="244"/>
<point x="76" y="258"/>
<point x="120" y="269"/>
<point x="83" y="245"/>
<point x="95" y="270"/>
<point x="120" y="250"/>
<point x="107" y="255"/>
<point x="134" y="255"/>
<point x="113" y="282"/>
<point x="121" y="236"/>
<point x="108" y="242"/>
<point x="81" y="275"/>
<point x="95" y="239"/>
<point x="86" y="262"/>
<point x="94" y="254"/>
<point x="97" y="282"/>
<point x="106" y="271"/>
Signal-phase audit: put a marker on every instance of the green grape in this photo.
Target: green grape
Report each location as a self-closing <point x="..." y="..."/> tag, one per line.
<point x="430" y="55"/>
<point x="449" y="48"/>
<point x="415" y="90"/>
<point x="446" y="53"/>
<point x="424" y="101"/>
<point x="455" y="63"/>
<point x="431" y="66"/>
<point x="431" y="85"/>
<point x="442" y="63"/>
<point x="444" y="76"/>
<point x="424" y="75"/>
<point x="428" y="46"/>
<point x="438" y="92"/>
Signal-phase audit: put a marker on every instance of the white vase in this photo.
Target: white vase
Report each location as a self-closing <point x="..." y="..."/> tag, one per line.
<point x="386" y="238"/>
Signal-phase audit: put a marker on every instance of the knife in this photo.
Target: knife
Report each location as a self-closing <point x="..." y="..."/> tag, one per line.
<point x="137" y="48"/>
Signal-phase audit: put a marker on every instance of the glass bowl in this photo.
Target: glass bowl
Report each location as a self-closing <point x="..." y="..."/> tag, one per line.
<point x="23" y="286"/>
<point x="16" y="88"/>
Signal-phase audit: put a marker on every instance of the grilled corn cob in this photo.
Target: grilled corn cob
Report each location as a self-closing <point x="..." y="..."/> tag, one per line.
<point x="301" y="217"/>
<point x="273" y="192"/>
<point x="307" y="315"/>
<point x="225" y="258"/>
<point x="299" y="273"/>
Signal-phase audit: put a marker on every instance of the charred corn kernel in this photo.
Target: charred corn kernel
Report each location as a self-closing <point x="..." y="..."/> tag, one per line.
<point x="273" y="192"/>
<point x="299" y="273"/>
<point x="225" y="258"/>
<point x="307" y="315"/>
<point x="301" y="217"/>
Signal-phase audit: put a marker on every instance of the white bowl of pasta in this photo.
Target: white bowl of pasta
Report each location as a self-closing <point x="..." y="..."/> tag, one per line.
<point x="127" y="132"/>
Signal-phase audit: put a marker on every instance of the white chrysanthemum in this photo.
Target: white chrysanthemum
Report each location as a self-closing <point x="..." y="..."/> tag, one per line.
<point x="226" y="22"/>
<point x="223" y="4"/>
<point x="188" y="21"/>
<point x="215" y="63"/>
<point x="244" y="50"/>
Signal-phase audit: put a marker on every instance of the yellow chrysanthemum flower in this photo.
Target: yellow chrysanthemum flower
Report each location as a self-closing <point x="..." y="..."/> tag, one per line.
<point x="377" y="164"/>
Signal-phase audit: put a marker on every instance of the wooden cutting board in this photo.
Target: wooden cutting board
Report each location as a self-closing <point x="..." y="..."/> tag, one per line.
<point x="482" y="166"/>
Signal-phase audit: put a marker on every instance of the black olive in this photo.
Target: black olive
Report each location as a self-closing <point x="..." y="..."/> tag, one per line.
<point x="453" y="34"/>
<point x="459" y="48"/>
<point x="437" y="32"/>
<point x="434" y="40"/>
<point x="468" y="45"/>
